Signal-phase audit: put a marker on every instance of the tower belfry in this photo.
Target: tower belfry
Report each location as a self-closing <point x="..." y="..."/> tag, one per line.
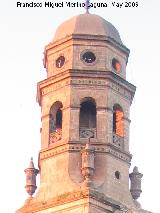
<point x="85" y="103"/>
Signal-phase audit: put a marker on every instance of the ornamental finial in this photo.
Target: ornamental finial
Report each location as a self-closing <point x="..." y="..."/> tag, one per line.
<point x="135" y="178"/>
<point x="87" y="5"/>
<point x="31" y="173"/>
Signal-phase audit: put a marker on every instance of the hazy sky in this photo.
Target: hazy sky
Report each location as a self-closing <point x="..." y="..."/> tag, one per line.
<point x="24" y="33"/>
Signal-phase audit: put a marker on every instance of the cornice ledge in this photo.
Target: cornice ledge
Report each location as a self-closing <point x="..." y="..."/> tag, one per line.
<point x="118" y="153"/>
<point x="104" y="38"/>
<point x="33" y="205"/>
<point x="120" y="81"/>
<point x="104" y="199"/>
<point x="89" y="73"/>
<point x="57" y="148"/>
<point x="102" y="74"/>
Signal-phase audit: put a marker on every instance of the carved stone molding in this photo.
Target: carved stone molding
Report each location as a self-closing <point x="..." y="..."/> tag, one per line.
<point x="34" y="206"/>
<point x="120" y="154"/>
<point x="55" y="136"/>
<point x="118" y="141"/>
<point x="88" y="168"/>
<point x="88" y="82"/>
<point x="59" y="148"/>
<point x="52" y="151"/>
<point x="87" y="132"/>
<point x="120" y="90"/>
<point x="53" y="87"/>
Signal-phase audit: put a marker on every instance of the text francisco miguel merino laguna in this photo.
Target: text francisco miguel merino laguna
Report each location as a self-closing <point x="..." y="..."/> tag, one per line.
<point x="59" y="4"/>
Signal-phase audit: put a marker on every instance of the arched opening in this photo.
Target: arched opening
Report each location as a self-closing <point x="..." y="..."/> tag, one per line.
<point x="118" y="126"/>
<point x="117" y="175"/>
<point x="55" y="122"/>
<point x="59" y="119"/>
<point x="87" y="120"/>
<point x="116" y="65"/>
<point x="118" y="121"/>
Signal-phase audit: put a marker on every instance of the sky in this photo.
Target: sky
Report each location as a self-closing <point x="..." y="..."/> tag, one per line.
<point x="24" y="32"/>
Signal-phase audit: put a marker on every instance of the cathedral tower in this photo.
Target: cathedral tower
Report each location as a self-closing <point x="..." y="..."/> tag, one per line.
<point x="85" y="103"/>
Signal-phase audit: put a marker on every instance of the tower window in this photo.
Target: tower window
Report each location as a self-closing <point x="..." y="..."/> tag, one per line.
<point x="55" y="122"/>
<point x="116" y="65"/>
<point x="117" y="175"/>
<point x="87" y="121"/>
<point x="60" y="61"/>
<point x="89" y="57"/>
<point x="118" y="121"/>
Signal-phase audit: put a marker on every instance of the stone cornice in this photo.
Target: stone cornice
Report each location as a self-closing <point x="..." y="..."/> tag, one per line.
<point x="85" y="37"/>
<point x="59" y="148"/>
<point x="119" y="153"/>
<point x="32" y="205"/>
<point x="52" y="151"/>
<point x="92" y="78"/>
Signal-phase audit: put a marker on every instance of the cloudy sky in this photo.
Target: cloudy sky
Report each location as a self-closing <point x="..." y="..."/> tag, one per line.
<point x="24" y="33"/>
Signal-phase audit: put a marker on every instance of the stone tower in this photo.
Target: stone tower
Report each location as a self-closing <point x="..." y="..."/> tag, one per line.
<point x="85" y="103"/>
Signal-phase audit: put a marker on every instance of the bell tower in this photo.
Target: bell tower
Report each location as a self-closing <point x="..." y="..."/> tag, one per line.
<point x="85" y="103"/>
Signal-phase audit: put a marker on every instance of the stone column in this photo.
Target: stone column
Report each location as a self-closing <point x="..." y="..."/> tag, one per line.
<point x="74" y="124"/>
<point x="127" y="122"/>
<point x="109" y="125"/>
<point x="88" y="165"/>
<point x="66" y="123"/>
<point x="101" y="124"/>
<point x="45" y="131"/>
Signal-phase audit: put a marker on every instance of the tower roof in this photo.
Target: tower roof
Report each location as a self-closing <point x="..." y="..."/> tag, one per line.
<point x="87" y="24"/>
